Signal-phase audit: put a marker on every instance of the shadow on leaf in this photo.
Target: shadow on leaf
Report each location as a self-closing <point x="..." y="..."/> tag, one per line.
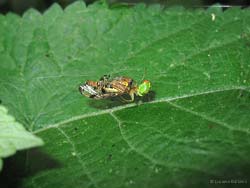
<point x="25" y="164"/>
<point x="117" y="101"/>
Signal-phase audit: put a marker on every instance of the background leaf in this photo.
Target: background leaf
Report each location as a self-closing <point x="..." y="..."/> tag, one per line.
<point x="13" y="136"/>
<point x="193" y="125"/>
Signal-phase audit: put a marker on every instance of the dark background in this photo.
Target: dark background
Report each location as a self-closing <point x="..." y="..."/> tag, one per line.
<point x="19" y="6"/>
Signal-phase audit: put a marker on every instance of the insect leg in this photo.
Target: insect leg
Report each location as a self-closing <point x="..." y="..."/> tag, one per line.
<point x="105" y="78"/>
<point x="128" y="100"/>
<point x="132" y="95"/>
<point x="124" y="100"/>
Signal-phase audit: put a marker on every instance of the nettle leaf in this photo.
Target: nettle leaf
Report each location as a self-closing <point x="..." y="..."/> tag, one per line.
<point x="193" y="128"/>
<point x="13" y="136"/>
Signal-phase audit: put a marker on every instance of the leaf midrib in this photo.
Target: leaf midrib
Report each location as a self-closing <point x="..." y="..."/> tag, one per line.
<point x="167" y="99"/>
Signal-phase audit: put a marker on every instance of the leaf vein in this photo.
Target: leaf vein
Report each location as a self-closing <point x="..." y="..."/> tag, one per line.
<point x="152" y="160"/>
<point x="221" y="123"/>
<point x="77" y="155"/>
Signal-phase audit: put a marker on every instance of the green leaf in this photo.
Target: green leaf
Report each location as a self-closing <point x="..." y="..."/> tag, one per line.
<point x="13" y="136"/>
<point x="193" y="128"/>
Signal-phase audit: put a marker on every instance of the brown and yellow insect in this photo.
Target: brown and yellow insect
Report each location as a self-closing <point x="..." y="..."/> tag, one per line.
<point x="118" y="86"/>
